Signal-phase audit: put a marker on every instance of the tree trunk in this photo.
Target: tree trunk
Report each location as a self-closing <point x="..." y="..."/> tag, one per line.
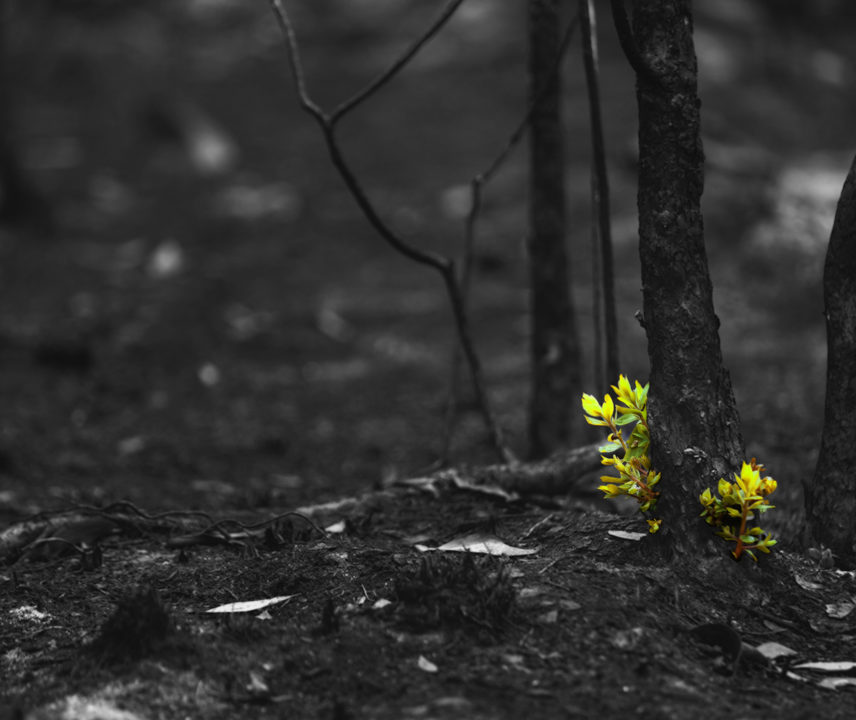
<point x="695" y="428"/>
<point x="556" y="382"/>
<point x="831" y="495"/>
<point x="600" y="197"/>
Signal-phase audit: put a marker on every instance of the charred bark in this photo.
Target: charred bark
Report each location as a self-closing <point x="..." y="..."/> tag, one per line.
<point x="695" y="428"/>
<point x="830" y="497"/>
<point x="556" y="381"/>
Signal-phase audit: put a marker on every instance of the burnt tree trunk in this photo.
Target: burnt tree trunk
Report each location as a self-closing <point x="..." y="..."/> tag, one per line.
<point x="556" y="382"/>
<point x="830" y="497"/>
<point x="695" y="428"/>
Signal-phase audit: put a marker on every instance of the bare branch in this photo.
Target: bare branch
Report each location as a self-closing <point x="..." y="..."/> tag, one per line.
<point x="399" y="64"/>
<point x="295" y="63"/>
<point x="442" y="264"/>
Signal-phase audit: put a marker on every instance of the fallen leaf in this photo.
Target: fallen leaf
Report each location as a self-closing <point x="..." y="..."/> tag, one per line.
<point x="807" y="584"/>
<point x="257" y="684"/>
<point x="828" y="666"/>
<point x="836" y="682"/>
<point x="840" y="609"/>
<point x="248" y="606"/>
<point x="425" y="664"/>
<point x="336" y="528"/>
<point x="772" y="650"/>
<point x="482" y="544"/>
<point x="627" y="535"/>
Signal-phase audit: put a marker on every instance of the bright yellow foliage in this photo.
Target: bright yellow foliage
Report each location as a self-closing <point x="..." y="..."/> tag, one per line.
<point x="737" y="504"/>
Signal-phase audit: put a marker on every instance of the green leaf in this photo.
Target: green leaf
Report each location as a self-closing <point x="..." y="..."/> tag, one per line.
<point x="626" y="418"/>
<point x="609" y="447"/>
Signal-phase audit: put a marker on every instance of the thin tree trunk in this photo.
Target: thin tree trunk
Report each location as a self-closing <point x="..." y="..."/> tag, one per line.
<point x="556" y="381"/>
<point x="600" y="197"/>
<point x="830" y="497"/>
<point x="693" y="417"/>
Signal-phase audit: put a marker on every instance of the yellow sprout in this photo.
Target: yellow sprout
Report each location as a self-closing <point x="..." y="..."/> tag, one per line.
<point x="654" y="525"/>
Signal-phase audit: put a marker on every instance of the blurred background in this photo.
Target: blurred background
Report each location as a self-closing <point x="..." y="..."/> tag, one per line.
<point x="193" y="310"/>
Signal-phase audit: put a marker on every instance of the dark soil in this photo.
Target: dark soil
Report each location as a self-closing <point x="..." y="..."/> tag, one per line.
<point x="235" y="339"/>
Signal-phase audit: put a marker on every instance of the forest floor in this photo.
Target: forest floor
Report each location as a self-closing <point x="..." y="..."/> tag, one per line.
<point x="219" y="331"/>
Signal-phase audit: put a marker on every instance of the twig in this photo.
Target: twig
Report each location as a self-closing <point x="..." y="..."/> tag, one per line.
<point x="443" y="265"/>
<point x="600" y="193"/>
<point x="453" y="398"/>
<point x="628" y="44"/>
<point x="399" y="64"/>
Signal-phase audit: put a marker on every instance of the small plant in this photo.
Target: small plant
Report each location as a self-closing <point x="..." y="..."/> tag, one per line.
<point x="635" y="476"/>
<point x="737" y="504"/>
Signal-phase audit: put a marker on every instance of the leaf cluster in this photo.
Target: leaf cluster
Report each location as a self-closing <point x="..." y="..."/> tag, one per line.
<point x="737" y="504"/>
<point x="635" y="476"/>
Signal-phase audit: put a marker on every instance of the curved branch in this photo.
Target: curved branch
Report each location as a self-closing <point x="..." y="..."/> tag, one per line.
<point x="296" y="64"/>
<point x="442" y="264"/>
<point x="399" y="64"/>
<point x="438" y="262"/>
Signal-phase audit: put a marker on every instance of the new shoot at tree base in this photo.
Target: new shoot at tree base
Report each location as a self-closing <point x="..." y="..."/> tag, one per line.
<point x="729" y="513"/>
<point x="635" y="476"/>
<point x="737" y="504"/>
